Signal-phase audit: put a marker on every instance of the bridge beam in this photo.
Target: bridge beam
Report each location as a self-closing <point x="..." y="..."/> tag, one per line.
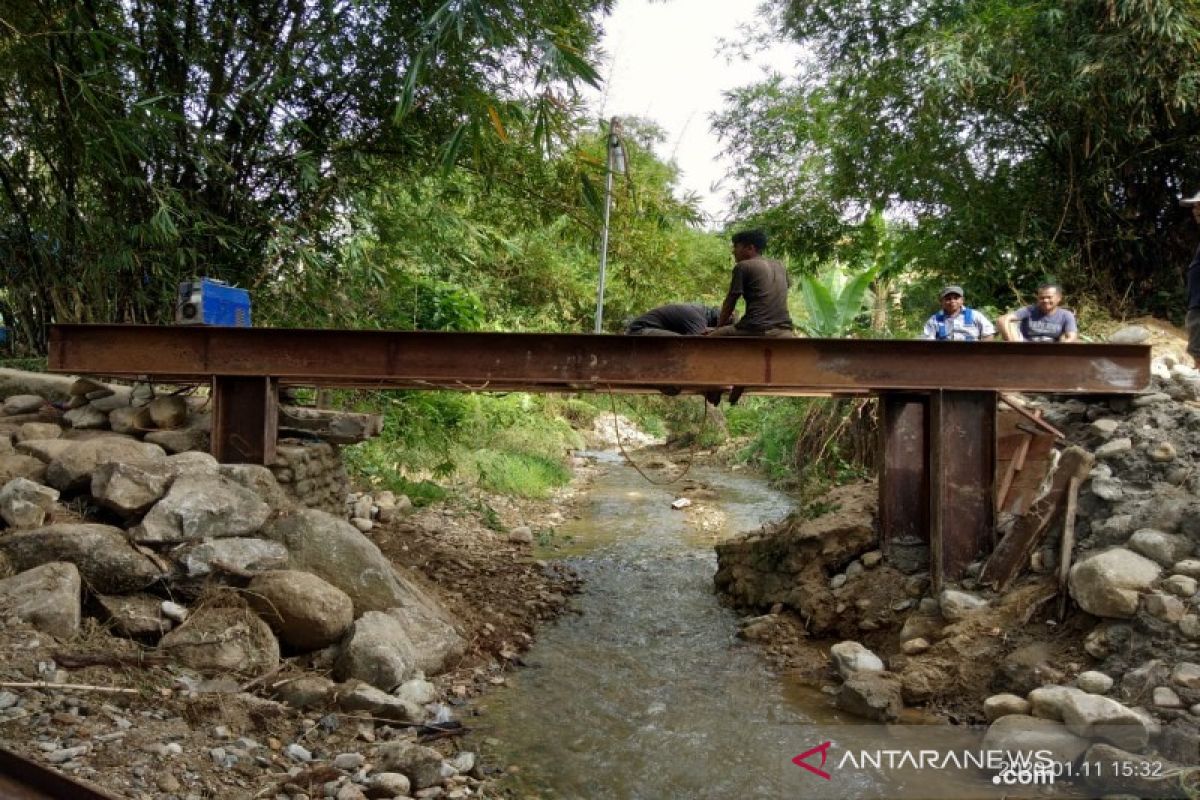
<point x="938" y="402"/>
<point x="579" y="362"/>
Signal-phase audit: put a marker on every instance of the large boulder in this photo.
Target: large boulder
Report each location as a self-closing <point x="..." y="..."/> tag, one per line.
<point x="215" y="641"/>
<point x="168" y="412"/>
<point x="335" y="550"/>
<point x="261" y="481"/>
<point x="422" y="765"/>
<point x="25" y="504"/>
<point x="1018" y="733"/>
<point x="46" y="597"/>
<point x="135" y="615"/>
<point x="44" y="450"/>
<point x="871" y="695"/>
<point x="23" y="404"/>
<point x="1108" y="584"/>
<point x="105" y="558"/>
<point x="42" y="385"/>
<point x="1095" y="717"/>
<point x="179" y="441"/>
<point x="202" y="507"/>
<point x="86" y="418"/>
<point x="16" y="465"/>
<point x="1165" y="548"/>
<point x="306" y="612"/>
<point x="72" y="470"/>
<point x="437" y="645"/>
<point x="235" y="553"/>
<point x="378" y="651"/>
<point x="37" y="430"/>
<point x="358" y="696"/>
<point x="1049" y="702"/>
<point x="131" y="487"/>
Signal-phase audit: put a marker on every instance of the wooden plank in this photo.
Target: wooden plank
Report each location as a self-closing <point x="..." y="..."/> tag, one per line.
<point x="962" y="462"/>
<point x="1009" y="470"/>
<point x="1012" y="554"/>
<point x="1067" y="546"/>
<point x="1034" y="416"/>
<point x="1031" y="471"/>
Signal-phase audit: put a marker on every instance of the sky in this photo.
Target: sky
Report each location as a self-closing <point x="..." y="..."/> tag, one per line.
<point x="665" y="63"/>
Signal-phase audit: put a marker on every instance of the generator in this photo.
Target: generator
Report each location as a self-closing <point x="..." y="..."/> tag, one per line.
<point x="208" y="301"/>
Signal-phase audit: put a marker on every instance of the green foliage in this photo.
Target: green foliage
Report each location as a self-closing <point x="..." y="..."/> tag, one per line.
<point x="433" y="441"/>
<point x="1012" y="138"/>
<point x="833" y="301"/>
<point x="807" y="443"/>
<point x="522" y="474"/>
<point x="487" y="515"/>
<point x="147" y="142"/>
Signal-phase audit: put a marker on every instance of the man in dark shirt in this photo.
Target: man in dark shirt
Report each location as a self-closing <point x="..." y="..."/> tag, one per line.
<point x="674" y="319"/>
<point x="1193" y="287"/>
<point x="763" y="283"/>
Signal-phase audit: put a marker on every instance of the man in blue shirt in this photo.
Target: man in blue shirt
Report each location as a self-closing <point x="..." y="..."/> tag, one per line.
<point x="1042" y="322"/>
<point x="955" y="322"/>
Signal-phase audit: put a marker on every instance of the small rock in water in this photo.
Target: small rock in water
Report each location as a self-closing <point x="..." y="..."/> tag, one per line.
<point x="682" y="502"/>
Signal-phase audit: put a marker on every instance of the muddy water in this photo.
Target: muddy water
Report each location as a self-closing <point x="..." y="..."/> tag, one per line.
<point x="646" y="692"/>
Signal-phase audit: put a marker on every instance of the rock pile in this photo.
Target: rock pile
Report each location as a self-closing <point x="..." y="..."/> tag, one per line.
<point x="105" y="517"/>
<point x="1133" y="584"/>
<point x="173" y="526"/>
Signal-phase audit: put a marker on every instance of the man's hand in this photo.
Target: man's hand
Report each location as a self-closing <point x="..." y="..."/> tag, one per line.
<point x="1009" y="330"/>
<point x="727" y="310"/>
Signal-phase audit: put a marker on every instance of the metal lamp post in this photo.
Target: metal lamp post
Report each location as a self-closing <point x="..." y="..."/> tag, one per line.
<point x="614" y="164"/>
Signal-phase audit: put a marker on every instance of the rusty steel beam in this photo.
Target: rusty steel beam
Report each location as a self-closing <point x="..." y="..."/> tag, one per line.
<point x="552" y="361"/>
<point x="245" y="419"/>
<point x="904" y="479"/>
<point x="962" y="479"/>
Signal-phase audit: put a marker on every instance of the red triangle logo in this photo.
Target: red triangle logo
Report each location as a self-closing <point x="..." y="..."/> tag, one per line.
<point x="801" y="760"/>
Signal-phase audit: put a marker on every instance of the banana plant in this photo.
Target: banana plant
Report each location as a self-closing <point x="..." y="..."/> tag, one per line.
<point x="832" y="300"/>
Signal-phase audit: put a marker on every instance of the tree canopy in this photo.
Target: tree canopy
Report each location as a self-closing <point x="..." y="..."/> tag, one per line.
<point x="1013" y="139"/>
<point x="145" y="141"/>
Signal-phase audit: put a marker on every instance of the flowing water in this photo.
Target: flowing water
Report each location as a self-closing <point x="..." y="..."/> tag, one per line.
<point x="646" y="692"/>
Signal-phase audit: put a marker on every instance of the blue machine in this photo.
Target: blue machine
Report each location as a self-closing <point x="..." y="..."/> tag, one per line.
<point x="207" y="301"/>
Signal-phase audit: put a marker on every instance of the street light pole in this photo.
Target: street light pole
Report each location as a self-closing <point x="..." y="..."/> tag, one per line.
<point x="614" y="163"/>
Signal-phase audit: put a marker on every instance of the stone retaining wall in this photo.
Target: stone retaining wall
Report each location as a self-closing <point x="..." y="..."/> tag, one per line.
<point x="312" y="473"/>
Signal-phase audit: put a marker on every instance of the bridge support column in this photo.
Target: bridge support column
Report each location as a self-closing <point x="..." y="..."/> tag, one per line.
<point x="245" y="419"/>
<point x="937" y="479"/>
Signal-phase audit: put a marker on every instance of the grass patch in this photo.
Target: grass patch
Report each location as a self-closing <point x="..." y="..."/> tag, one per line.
<point x="519" y="474"/>
<point x="435" y="443"/>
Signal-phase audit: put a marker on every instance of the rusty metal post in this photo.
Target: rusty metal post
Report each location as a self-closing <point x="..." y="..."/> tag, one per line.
<point x="245" y="419"/>
<point x="962" y="479"/>
<point x="904" y="480"/>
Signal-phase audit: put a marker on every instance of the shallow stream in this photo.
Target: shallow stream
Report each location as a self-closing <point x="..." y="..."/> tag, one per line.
<point x="646" y="692"/>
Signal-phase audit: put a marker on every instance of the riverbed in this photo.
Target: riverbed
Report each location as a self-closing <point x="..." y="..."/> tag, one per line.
<point x="646" y="691"/>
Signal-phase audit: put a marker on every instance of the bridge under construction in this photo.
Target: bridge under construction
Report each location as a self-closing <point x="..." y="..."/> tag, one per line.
<point x="938" y="400"/>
